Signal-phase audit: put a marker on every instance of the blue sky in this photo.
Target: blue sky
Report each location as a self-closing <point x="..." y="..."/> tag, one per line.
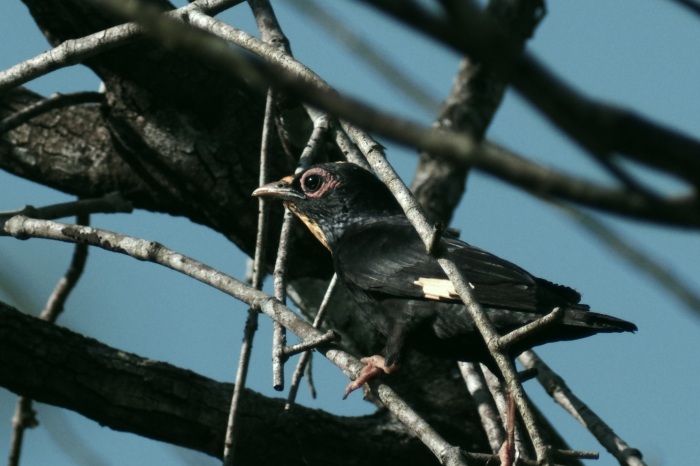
<point x="638" y="54"/>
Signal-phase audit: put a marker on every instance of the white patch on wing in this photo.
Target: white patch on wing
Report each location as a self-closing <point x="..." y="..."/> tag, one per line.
<point x="436" y="288"/>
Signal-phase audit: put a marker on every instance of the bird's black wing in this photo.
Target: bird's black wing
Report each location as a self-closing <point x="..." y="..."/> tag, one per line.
<point x="388" y="259"/>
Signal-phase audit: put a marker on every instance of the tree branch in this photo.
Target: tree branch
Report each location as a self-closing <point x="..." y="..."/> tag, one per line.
<point x="54" y="365"/>
<point x="557" y="389"/>
<point x="598" y="127"/>
<point x="24" y="228"/>
<point x="283" y="71"/>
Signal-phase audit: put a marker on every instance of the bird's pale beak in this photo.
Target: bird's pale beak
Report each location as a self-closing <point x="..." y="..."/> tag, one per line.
<point x="281" y="189"/>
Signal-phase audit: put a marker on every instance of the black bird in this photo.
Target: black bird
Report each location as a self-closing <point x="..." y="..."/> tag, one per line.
<point x="404" y="292"/>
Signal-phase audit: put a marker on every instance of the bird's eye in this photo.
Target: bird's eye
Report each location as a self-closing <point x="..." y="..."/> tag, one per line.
<point x="312" y="183"/>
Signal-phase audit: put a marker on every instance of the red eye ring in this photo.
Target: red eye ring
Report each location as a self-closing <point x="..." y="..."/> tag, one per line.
<point x="316" y="182"/>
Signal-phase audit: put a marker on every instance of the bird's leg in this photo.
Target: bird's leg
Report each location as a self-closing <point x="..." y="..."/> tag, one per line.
<point x="507" y="452"/>
<point x="374" y="366"/>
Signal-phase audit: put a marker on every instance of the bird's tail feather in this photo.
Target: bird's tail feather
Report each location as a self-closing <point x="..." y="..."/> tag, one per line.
<point x="598" y="322"/>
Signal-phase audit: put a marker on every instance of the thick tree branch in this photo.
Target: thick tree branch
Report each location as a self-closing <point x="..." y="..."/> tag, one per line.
<point x="476" y="93"/>
<point x="283" y="71"/>
<point x="598" y="127"/>
<point x="54" y="365"/>
<point x="24" y="228"/>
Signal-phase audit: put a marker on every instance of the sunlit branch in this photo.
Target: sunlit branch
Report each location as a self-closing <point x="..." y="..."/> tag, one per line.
<point x="108" y="204"/>
<point x="484" y="404"/>
<point x="562" y="394"/>
<point x="74" y="51"/>
<point x="24" y="228"/>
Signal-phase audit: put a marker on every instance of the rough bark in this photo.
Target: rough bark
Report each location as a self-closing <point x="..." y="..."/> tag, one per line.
<point x="178" y="137"/>
<point x="157" y="400"/>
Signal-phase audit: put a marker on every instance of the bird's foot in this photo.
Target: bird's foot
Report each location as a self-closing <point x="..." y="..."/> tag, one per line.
<point x="507" y="454"/>
<point x="374" y="366"/>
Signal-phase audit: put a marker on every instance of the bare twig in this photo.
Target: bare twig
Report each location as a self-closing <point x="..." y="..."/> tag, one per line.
<point x="24" y="228"/>
<point x="251" y="325"/>
<point x="497" y="391"/>
<point x="108" y="204"/>
<point x="380" y="62"/>
<point x="306" y="357"/>
<point x="279" y="338"/>
<point x="74" y="51"/>
<point x="272" y="34"/>
<point x="42" y="106"/>
<point x="506" y="341"/>
<point x="305" y="346"/>
<point x="278" y="352"/>
<point x="476" y="94"/>
<point x="636" y="257"/>
<point x="346" y="146"/>
<point x="484" y="403"/>
<point x="562" y="394"/>
<point x="599" y="127"/>
<point x="289" y="74"/>
<point x="349" y="149"/>
<point x="57" y="300"/>
<point x="458" y="147"/>
<point x="25" y="416"/>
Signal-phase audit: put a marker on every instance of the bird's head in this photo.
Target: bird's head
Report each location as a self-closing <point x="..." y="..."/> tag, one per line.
<point x="331" y="198"/>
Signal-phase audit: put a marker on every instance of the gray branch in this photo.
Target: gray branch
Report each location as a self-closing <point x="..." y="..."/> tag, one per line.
<point x="562" y="394"/>
<point x="24" y="228"/>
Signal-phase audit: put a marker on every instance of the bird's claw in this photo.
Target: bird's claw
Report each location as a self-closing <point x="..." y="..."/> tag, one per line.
<point x="375" y="365"/>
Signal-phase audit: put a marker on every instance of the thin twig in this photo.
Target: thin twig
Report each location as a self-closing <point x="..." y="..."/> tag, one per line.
<point x="42" y="106"/>
<point x="279" y="338"/>
<point x="497" y="391"/>
<point x="306" y="357"/>
<point x="251" y="325"/>
<point x="380" y="62"/>
<point x="24" y="228"/>
<point x="562" y="394"/>
<point x="289" y="74"/>
<point x="55" y="303"/>
<point x="108" y="204"/>
<point x="622" y="246"/>
<point x="599" y="127"/>
<point x="74" y="51"/>
<point x="272" y="34"/>
<point x="484" y="404"/>
<point x="346" y="146"/>
<point x="305" y="346"/>
<point x="25" y="416"/>
<point x="279" y="355"/>
<point x="506" y="341"/>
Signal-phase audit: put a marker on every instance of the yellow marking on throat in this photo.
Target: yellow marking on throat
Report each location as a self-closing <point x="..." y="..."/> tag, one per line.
<point x="311" y="224"/>
<point x="436" y="288"/>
